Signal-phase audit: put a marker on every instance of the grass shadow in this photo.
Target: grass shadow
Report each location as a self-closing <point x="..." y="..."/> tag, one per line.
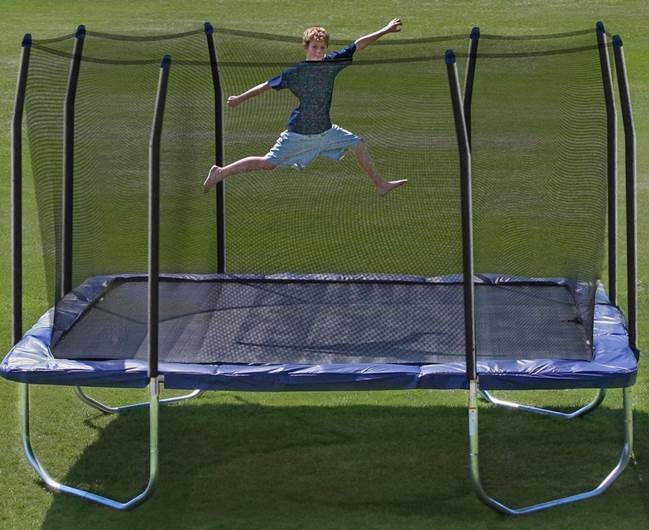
<point x="240" y="464"/>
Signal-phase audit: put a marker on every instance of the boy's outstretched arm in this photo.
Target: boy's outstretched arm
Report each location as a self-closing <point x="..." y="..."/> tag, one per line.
<point x="235" y="101"/>
<point x="392" y="26"/>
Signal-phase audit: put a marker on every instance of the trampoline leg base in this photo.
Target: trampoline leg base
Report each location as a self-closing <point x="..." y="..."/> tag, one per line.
<point x="89" y="495"/>
<point x="113" y="410"/>
<point x="627" y="454"/>
<point x="582" y="411"/>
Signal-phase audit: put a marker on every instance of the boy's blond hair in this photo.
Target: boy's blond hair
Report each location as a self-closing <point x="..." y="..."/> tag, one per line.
<point x="315" y="33"/>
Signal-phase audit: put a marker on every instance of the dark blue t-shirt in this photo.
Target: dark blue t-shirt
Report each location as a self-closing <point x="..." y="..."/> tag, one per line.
<point x="313" y="82"/>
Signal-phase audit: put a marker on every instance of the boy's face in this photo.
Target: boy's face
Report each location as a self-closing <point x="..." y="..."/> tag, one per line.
<point x="315" y="50"/>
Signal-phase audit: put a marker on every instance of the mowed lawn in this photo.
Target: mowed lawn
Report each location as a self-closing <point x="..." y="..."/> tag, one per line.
<point x="318" y="460"/>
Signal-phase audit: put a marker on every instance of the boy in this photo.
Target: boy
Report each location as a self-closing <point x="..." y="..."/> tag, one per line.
<point x="310" y="132"/>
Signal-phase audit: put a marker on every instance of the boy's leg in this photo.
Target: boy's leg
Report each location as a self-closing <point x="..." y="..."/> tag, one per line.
<point x="367" y="164"/>
<point x="251" y="163"/>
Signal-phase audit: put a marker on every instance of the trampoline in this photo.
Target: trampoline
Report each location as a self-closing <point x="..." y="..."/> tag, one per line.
<point x="325" y="332"/>
<point x="484" y="274"/>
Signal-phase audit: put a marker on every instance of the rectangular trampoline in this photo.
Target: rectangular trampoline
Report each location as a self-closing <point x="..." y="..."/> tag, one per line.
<point x="325" y="332"/>
<point x="485" y="272"/>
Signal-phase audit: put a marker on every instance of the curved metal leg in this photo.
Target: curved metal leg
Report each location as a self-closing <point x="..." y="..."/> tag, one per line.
<point x="601" y="394"/>
<point x="112" y="410"/>
<point x="88" y="495"/>
<point x="627" y="453"/>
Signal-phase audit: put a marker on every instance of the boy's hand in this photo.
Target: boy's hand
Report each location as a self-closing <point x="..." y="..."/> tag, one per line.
<point x="234" y="101"/>
<point x="393" y="26"/>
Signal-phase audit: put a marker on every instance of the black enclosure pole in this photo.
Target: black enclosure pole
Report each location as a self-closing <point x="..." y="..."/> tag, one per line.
<point x="17" y="191"/>
<point x="630" y="171"/>
<point x="68" y="160"/>
<point x="218" y="142"/>
<point x="469" y="78"/>
<point x="611" y="152"/>
<point x="154" y="215"/>
<point x="467" y="216"/>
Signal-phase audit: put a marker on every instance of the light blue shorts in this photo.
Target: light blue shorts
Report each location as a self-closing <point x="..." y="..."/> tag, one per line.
<point x="299" y="150"/>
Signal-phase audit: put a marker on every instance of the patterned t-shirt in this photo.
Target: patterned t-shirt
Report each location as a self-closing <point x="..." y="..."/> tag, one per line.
<point x="313" y="82"/>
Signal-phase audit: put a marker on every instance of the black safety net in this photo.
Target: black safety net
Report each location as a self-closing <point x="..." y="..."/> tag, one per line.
<point x="539" y="162"/>
<point x="539" y="181"/>
<point x="113" y="114"/>
<point x="328" y="218"/>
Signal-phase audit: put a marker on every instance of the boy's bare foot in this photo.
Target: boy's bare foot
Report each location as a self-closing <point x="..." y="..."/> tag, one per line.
<point x="213" y="178"/>
<point x="384" y="188"/>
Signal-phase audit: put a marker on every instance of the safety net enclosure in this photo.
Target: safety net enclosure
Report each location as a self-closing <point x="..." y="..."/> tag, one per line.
<point x="539" y="164"/>
<point x="311" y="268"/>
<point x="487" y="266"/>
<point x="105" y="184"/>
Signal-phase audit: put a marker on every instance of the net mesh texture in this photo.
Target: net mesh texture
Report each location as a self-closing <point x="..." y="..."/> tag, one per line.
<point x="539" y="160"/>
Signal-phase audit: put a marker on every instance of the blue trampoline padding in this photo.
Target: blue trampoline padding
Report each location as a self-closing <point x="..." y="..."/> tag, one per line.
<point x="613" y="365"/>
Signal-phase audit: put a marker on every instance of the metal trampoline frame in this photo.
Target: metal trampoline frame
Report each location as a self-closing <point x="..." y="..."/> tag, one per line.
<point x="462" y="127"/>
<point x="108" y="409"/>
<point x="474" y="459"/>
<point x="54" y="485"/>
<point x="577" y="413"/>
<point x="463" y="134"/>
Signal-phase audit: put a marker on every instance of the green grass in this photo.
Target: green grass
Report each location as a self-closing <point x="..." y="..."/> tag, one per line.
<point x="318" y="460"/>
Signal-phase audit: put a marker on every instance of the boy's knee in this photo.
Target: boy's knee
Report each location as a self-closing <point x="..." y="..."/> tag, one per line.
<point x="360" y="146"/>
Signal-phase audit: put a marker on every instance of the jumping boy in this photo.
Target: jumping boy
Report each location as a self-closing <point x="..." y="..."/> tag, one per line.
<point x="310" y="132"/>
